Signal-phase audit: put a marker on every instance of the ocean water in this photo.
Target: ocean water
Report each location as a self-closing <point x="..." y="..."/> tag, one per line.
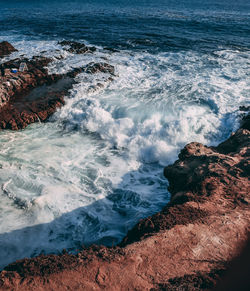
<point x="96" y="168"/>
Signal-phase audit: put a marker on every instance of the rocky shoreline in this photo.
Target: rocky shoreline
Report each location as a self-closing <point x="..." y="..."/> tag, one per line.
<point x="34" y="95"/>
<point x="189" y="245"/>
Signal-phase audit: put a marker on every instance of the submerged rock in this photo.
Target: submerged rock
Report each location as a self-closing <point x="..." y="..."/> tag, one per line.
<point x="6" y="49"/>
<point x="77" y="47"/>
<point x="93" y="68"/>
<point x="112" y="50"/>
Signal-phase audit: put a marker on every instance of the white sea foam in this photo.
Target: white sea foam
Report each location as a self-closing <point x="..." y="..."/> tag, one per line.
<point x="96" y="168"/>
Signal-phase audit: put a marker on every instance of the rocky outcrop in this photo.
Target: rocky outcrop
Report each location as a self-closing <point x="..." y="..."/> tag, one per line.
<point x="34" y="95"/>
<point x="23" y="82"/>
<point x="18" y="106"/>
<point x="204" y="181"/>
<point x="76" y="47"/>
<point x="186" y="246"/>
<point x="93" y="68"/>
<point x="6" y="49"/>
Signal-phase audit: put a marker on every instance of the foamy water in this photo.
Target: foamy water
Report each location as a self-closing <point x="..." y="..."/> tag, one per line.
<point x="96" y="168"/>
<point x="91" y="172"/>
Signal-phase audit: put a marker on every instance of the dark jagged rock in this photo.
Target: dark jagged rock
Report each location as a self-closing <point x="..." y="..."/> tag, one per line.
<point x="246" y="122"/>
<point x="93" y="68"/>
<point x="77" y="47"/>
<point x="113" y="50"/>
<point x="6" y="49"/>
<point x="236" y="275"/>
<point x="244" y="108"/>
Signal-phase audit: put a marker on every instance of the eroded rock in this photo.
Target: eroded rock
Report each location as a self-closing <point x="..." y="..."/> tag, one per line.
<point x="17" y="109"/>
<point x="6" y="49"/>
<point x="202" y="175"/>
<point x="77" y="47"/>
<point x="188" y="245"/>
<point x="93" y="68"/>
<point x="34" y="95"/>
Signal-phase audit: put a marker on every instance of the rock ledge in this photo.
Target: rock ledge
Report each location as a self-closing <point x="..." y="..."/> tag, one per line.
<point x="189" y="244"/>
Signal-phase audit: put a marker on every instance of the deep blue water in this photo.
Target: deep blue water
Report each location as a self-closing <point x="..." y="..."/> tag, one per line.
<point x="157" y="25"/>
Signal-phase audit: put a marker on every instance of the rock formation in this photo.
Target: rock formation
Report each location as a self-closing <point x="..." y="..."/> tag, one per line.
<point x="76" y="47"/>
<point x="187" y="245"/>
<point x="34" y="95"/>
<point x="17" y="108"/>
<point x="6" y="49"/>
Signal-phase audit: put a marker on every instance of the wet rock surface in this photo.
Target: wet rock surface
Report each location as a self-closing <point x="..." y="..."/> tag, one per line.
<point x="17" y="109"/>
<point x="76" y="47"/>
<point x="186" y="246"/>
<point x="33" y="95"/>
<point x="6" y="49"/>
<point x="93" y="68"/>
<point x="201" y="175"/>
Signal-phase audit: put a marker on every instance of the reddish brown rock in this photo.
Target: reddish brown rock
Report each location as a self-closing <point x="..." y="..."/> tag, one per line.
<point x="18" y="107"/>
<point x="6" y="49"/>
<point x="186" y="246"/>
<point x="23" y="82"/>
<point x="34" y="95"/>
<point x="200" y="175"/>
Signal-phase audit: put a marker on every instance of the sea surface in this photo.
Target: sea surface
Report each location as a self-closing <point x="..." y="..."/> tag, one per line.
<point x="96" y="168"/>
